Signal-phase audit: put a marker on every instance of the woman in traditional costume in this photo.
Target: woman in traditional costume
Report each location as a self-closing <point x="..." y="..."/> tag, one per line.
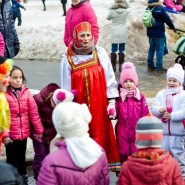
<point x="87" y="68"/>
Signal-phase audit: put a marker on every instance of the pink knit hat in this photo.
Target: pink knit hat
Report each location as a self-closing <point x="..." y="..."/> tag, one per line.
<point x="128" y="73"/>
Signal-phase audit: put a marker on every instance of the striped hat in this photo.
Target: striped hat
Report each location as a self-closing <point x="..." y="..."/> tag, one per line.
<point x="149" y="132"/>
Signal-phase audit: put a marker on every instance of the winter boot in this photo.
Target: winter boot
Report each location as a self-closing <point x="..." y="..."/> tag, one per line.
<point x="121" y="60"/>
<point x="25" y="179"/>
<point x="113" y="61"/>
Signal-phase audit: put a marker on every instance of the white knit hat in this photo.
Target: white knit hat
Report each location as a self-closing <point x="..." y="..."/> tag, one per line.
<point x="62" y="95"/>
<point x="176" y="72"/>
<point x="71" y="119"/>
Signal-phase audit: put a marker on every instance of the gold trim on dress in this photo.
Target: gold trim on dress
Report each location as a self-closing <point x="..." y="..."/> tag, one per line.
<point x="84" y="64"/>
<point x="86" y="80"/>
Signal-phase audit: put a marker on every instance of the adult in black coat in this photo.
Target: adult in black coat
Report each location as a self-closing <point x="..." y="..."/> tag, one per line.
<point x="64" y="2"/>
<point x="43" y="1"/>
<point x="7" y="29"/>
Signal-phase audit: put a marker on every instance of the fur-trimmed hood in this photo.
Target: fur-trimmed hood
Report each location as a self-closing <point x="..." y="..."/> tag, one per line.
<point x="119" y="5"/>
<point x="154" y="4"/>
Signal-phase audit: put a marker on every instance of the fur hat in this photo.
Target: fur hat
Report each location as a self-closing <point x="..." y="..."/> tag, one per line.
<point x="149" y="132"/>
<point x="71" y="119"/>
<point x="62" y="95"/>
<point x="176" y="72"/>
<point x="152" y="1"/>
<point x="128" y="72"/>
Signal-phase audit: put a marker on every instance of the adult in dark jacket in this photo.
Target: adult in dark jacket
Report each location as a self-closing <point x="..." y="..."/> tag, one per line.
<point x="156" y="35"/>
<point x="43" y="102"/>
<point x="16" y="11"/>
<point x="9" y="175"/>
<point x="64" y="2"/>
<point x="7" y="29"/>
<point x="43" y="2"/>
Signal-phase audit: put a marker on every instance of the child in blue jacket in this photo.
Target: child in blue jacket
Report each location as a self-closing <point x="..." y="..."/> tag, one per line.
<point x="16" y="11"/>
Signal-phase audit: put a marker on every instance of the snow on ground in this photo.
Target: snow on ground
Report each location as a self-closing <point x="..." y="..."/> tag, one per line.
<point x="41" y="33"/>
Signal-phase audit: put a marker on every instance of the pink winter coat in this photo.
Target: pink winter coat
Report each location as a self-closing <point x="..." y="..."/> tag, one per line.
<point x="77" y="14"/>
<point x="162" y="171"/>
<point x="23" y="111"/>
<point x="2" y="45"/>
<point x="170" y="4"/>
<point x="58" y="168"/>
<point x="128" y="113"/>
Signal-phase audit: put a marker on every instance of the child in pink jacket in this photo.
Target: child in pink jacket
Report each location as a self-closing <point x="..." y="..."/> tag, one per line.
<point x="174" y="5"/>
<point x="23" y="111"/>
<point x="149" y="164"/>
<point x="130" y="106"/>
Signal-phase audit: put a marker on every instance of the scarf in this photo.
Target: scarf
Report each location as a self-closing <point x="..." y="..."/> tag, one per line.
<point x="4" y="113"/>
<point x="83" y="151"/>
<point x="149" y="154"/>
<point x="170" y="92"/>
<point x="84" y="50"/>
<point x="133" y="93"/>
<point x="15" y="91"/>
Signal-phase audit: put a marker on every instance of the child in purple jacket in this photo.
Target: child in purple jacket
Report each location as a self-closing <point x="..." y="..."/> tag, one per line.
<point x="46" y="100"/>
<point x="130" y="106"/>
<point x="79" y="159"/>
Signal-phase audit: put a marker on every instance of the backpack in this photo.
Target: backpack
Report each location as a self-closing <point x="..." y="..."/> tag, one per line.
<point x="148" y="19"/>
<point x="179" y="47"/>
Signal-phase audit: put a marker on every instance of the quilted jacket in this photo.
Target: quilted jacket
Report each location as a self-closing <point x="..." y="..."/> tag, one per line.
<point x="7" y="28"/>
<point x="162" y="171"/>
<point x="58" y="168"/>
<point x="23" y="110"/>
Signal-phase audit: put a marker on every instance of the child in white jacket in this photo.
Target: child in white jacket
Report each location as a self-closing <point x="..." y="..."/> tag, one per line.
<point x="169" y="105"/>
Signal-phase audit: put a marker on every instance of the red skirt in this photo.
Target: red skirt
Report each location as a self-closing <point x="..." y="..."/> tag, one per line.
<point x="89" y="80"/>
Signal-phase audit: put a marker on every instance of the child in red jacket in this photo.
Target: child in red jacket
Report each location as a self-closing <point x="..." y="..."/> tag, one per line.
<point x="149" y="164"/>
<point x="23" y="109"/>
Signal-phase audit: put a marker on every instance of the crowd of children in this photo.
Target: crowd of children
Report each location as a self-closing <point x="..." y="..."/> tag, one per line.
<point x="74" y="142"/>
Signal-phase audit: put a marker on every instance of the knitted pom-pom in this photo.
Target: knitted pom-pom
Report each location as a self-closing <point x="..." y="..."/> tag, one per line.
<point x="176" y="65"/>
<point x="128" y="65"/>
<point x="61" y="96"/>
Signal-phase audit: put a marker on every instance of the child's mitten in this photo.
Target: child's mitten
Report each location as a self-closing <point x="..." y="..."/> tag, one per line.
<point x="111" y="110"/>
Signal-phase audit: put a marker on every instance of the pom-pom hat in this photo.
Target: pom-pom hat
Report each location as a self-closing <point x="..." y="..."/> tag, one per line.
<point x="128" y="73"/>
<point x="71" y="119"/>
<point x="149" y="132"/>
<point x="62" y="95"/>
<point x="176" y="72"/>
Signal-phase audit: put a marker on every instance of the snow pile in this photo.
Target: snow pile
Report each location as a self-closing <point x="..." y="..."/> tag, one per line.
<point x="41" y="33"/>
